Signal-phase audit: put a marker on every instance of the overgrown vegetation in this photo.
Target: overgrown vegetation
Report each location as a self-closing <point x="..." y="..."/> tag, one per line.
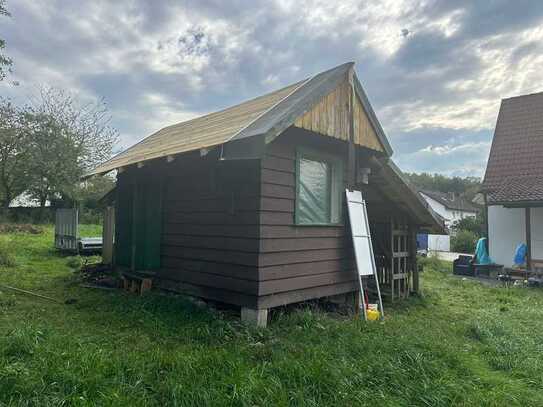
<point x="463" y="344"/>
<point x="464" y="241"/>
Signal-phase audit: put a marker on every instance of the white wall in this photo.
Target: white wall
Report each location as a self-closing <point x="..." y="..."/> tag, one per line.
<point x="506" y="229"/>
<point x="440" y="243"/>
<point x="536" y="230"/>
<point x="449" y="215"/>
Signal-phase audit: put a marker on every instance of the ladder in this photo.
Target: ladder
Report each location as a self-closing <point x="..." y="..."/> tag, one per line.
<point x="363" y="248"/>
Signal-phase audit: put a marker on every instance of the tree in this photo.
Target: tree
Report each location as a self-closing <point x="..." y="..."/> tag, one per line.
<point x="13" y="153"/>
<point x="67" y="139"/>
<point x="474" y="225"/>
<point x="5" y="62"/>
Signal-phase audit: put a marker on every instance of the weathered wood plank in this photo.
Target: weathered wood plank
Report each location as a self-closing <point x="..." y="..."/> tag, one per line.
<point x="299" y="283"/>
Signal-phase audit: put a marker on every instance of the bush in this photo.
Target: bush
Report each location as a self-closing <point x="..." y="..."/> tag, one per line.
<point x="464" y="242"/>
<point x="7" y="258"/>
<point x="433" y="263"/>
<point x="75" y="262"/>
<point x="475" y="225"/>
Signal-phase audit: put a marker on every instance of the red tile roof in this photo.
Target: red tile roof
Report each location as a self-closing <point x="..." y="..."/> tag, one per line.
<point x="514" y="171"/>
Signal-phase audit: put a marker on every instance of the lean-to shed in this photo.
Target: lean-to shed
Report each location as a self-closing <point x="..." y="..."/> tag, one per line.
<point x="245" y="205"/>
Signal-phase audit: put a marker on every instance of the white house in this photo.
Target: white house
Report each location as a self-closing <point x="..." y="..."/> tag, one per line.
<point x="451" y="207"/>
<point x="513" y="183"/>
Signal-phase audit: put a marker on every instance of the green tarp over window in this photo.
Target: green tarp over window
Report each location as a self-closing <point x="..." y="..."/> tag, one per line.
<point x="318" y="189"/>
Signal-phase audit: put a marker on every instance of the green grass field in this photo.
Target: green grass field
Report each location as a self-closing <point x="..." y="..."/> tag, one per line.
<point x="461" y="344"/>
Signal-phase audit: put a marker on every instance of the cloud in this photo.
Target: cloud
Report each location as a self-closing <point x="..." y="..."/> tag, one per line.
<point x="435" y="70"/>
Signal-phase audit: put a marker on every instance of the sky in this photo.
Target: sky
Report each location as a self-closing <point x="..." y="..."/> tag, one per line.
<point x="434" y="71"/>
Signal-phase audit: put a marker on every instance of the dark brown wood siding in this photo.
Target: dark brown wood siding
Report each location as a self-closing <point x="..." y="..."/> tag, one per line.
<point x="296" y="263"/>
<point x="210" y="233"/>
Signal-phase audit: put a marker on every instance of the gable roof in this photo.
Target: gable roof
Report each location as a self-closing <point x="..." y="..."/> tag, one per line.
<point x="453" y="202"/>
<point x="266" y="116"/>
<point x="514" y="172"/>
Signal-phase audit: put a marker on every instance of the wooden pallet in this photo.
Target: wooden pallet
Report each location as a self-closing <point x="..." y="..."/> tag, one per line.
<point x="137" y="282"/>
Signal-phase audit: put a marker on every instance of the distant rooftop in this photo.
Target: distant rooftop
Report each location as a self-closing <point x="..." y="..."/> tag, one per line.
<point x="451" y="201"/>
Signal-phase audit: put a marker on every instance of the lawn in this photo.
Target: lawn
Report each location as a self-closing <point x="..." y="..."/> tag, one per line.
<point x="463" y="343"/>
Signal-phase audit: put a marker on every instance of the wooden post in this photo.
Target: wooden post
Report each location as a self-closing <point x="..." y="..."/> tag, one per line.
<point x="351" y="159"/>
<point x="413" y="255"/>
<point x="528" y="238"/>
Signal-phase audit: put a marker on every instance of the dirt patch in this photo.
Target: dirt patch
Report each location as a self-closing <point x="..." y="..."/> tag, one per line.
<point x="20" y="228"/>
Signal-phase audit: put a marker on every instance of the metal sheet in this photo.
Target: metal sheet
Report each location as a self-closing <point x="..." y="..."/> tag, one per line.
<point x="66" y="229"/>
<point x="360" y="232"/>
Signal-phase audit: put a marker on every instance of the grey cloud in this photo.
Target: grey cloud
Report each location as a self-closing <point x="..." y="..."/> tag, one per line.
<point x="77" y="40"/>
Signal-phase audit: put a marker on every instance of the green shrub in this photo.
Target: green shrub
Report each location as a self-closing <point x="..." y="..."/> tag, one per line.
<point x="7" y="258"/>
<point x="463" y="242"/>
<point x="74" y="262"/>
<point x="433" y="263"/>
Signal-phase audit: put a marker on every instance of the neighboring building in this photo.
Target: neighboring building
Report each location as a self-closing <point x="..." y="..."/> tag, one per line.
<point x="513" y="183"/>
<point x="450" y="206"/>
<point x="25" y="200"/>
<point x="245" y="205"/>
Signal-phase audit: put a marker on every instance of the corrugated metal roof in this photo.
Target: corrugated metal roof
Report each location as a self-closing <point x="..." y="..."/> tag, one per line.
<point x="267" y="115"/>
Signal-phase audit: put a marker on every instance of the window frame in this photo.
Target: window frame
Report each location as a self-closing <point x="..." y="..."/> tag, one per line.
<point x="336" y="188"/>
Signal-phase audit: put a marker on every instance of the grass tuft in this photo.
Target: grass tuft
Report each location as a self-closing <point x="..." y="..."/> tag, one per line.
<point x="7" y="257"/>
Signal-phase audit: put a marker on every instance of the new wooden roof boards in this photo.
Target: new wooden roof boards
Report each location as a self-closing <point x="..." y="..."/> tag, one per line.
<point x="318" y="104"/>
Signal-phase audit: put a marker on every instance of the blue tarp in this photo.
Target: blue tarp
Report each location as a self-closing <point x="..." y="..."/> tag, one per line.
<point x="422" y="241"/>
<point x="520" y="254"/>
<point x="481" y="254"/>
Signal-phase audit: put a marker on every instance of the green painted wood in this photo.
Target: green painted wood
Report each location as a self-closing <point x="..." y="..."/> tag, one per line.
<point x="153" y="225"/>
<point x="123" y="223"/>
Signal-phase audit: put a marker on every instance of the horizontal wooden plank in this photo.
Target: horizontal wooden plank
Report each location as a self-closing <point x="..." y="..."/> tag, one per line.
<point x="278" y="177"/>
<point x="268" y="287"/>
<point x="302" y="256"/>
<point x="212" y="255"/>
<point x="210" y="293"/>
<point x="213" y="218"/>
<point x="278" y="191"/>
<point x="279" y="231"/>
<point x="286" y="271"/>
<point x="276" y="218"/>
<point x="276" y="205"/>
<point x="231" y="270"/>
<point x="289" y="297"/>
<point x="307" y="243"/>
<point x="212" y="242"/>
<point x="210" y="280"/>
<point x="228" y="204"/>
<point x="235" y="230"/>
<point x="279" y="163"/>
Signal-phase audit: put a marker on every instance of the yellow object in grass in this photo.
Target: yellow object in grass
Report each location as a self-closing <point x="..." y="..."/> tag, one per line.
<point x="373" y="314"/>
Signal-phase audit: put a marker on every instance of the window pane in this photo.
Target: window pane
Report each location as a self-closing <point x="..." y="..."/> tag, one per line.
<point x="314" y="191"/>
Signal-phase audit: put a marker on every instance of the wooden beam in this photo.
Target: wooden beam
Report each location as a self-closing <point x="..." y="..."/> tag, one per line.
<point x="527" y="216"/>
<point x="170" y="158"/>
<point x="351" y="158"/>
<point x="413" y="255"/>
<point x="140" y="164"/>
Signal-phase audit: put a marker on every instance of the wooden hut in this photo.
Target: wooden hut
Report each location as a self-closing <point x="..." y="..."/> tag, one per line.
<point x="245" y="206"/>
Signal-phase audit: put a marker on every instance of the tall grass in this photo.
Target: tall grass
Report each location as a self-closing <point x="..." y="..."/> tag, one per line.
<point x="460" y="344"/>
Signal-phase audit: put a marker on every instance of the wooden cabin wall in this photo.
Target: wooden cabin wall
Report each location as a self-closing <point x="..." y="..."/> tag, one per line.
<point x="298" y="262"/>
<point x="209" y="245"/>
